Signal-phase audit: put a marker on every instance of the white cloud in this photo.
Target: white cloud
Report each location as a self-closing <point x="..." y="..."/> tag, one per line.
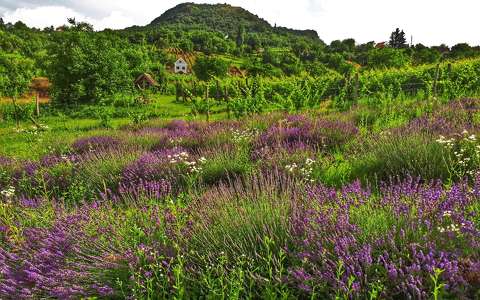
<point x="429" y="21"/>
<point x="45" y="16"/>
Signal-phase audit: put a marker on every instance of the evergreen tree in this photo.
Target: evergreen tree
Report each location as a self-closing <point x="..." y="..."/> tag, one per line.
<point x="397" y="39"/>
<point x="240" y="36"/>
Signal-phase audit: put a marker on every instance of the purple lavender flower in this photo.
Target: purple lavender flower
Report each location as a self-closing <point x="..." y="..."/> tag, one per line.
<point x="95" y="143"/>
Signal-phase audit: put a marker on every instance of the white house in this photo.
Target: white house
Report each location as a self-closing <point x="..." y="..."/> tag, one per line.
<point x="181" y="66"/>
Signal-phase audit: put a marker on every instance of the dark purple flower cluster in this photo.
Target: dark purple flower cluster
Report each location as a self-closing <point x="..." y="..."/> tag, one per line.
<point x="5" y="161"/>
<point x="430" y="228"/>
<point x="153" y="166"/>
<point x="28" y="202"/>
<point x="299" y="133"/>
<point x="449" y="120"/>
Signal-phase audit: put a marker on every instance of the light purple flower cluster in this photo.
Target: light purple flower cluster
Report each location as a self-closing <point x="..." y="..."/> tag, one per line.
<point x="61" y="262"/>
<point x="140" y="190"/>
<point x="95" y="143"/>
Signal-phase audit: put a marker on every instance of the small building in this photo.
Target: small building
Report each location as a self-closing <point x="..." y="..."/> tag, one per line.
<point x="381" y="45"/>
<point x="236" y="72"/>
<point x="181" y="66"/>
<point x="144" y="81"/>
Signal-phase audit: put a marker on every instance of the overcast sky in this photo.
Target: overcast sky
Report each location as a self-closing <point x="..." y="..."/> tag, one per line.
<point x="429" y="21"/>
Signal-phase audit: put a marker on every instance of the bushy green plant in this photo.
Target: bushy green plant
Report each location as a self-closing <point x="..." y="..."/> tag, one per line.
<point x="385" y="157"/>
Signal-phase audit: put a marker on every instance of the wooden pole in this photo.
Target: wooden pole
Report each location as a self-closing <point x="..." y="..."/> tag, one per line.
<point x="15" y="111"/>
<point x="356" y="87"/>
<point x="435" y="82"/>
<point x="37" y="103"/>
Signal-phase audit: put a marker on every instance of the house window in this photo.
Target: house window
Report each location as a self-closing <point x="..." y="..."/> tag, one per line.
<point x="183" y="68"/>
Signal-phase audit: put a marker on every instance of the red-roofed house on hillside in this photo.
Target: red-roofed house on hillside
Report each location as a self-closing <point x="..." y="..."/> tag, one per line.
<point x="381" y="45"/>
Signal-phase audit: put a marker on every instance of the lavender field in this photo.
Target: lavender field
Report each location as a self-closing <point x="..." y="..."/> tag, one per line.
<point x="339" y="205"/>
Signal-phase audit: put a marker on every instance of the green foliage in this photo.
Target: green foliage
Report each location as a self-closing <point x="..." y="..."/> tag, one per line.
<point x="87" y="67"/>
<point x="388" y="156"/>
<point x="226" y="165"/>
<point x="209" y="67"/>
<point x="104" y="115"/>
<point x="387" y="58"/>
<point x="16" y="73"/>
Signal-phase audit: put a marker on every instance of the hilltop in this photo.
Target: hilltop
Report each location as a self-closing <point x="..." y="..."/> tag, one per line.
<point x="222" y="18"/>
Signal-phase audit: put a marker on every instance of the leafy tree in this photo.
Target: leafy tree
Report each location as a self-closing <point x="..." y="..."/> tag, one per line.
<point x="240" y="36"/>
<point x="425" y="55"/>
<point x="361" y="52"/>
<point x="347" y="45"/>
<point x="462" y="50"/>
<point x="88" y="66"/>
<point x="207" y="67"/>
<point x="18" y="71"/>
<point x="397" y="39"/>
<point x="387" y="58"/>
<point x="337" y="62"/>
<point x="256" y="67"/>
<point x="254" y="42"/>
<point x="443" y="49"/>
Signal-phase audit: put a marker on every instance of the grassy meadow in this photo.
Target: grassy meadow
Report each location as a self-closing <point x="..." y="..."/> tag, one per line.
<point x="379" y="201"/>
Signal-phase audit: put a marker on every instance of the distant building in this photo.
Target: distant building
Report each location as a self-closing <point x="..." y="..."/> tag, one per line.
<point x="381" y="45"/>
<point x="181" y="66"/>
<point x="145" y="81"/>
<point x="236" y="72"/>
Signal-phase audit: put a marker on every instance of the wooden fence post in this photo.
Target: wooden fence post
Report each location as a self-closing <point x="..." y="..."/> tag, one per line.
<point x="356" y="87"/>
<point x="435" y="82"/>
<point x="217" y="92"/>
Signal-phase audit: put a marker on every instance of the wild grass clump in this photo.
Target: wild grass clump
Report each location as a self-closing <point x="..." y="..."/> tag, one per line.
<point x="391" y="155"/>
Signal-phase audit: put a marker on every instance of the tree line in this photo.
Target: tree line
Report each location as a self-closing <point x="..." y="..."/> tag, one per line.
<point x="90" y="67"/>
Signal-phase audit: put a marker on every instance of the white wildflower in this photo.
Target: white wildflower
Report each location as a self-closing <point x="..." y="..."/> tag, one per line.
<point x="9" y="192"/>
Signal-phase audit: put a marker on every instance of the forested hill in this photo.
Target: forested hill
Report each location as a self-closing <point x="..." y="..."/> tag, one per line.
<point x="222" y="18"/>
